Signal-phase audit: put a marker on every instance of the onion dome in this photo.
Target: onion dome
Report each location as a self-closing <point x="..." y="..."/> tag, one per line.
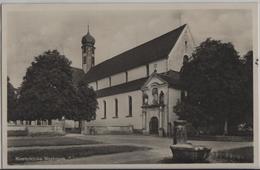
<point x="88" y="39"/>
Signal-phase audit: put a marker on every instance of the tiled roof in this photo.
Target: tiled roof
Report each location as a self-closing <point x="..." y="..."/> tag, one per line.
<point x="122" y="88"/>
<point x="172" y="78"/>
<point x="77" y="75"/>
<point x="156" y="49"/>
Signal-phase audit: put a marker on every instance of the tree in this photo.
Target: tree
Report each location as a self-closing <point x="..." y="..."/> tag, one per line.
<point x="47" y="91"/>
<point x="11" y="102"/>
<point x="213" y="82"/>
<point x="248" y="88"/>
<point x="86" y="105"/>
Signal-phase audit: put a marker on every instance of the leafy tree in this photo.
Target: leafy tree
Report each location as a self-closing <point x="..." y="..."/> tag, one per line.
<point x="213" y="79"/>
<point x="248" y="88"/>
<point x="11" y="102"/>
<point x="86" y="104"/>
<point x="47" y="91"/>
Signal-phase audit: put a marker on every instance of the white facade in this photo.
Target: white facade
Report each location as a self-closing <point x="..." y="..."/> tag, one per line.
<point x="123" y="118"/>
<point x="144" y="114"/>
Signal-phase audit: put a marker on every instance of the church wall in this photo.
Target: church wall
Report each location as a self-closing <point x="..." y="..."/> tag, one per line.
<point x="175" y="60"/>
<point x="123" y="111"/>
<point x="103" y="83"/>
<point x="137" y="73"/>
<point x="161" y="66"/>
<point x="118" y="79"/>
<point x="133" y="74"/>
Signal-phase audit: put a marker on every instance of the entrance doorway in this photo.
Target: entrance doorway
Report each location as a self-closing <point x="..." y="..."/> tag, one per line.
<point x="153" y="125"/>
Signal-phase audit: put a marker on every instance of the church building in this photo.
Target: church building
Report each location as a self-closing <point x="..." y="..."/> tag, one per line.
<point x="137" y="89"/>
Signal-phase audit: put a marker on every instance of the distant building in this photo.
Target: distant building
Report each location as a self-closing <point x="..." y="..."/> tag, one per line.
<point x="139" y="87"/>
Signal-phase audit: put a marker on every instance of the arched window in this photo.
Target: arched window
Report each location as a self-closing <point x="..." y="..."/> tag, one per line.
<point x="147" y="70"/>
<point x="185" y="59"/>
<point x="155" y="95"/>
<point x="92" y="61"/>
<point x="105" y="109"/>
<point x="116" y="108"/>
<point x="161" y="98"/>
<point x="130" y="106"/>
<point x="145" y="99"/>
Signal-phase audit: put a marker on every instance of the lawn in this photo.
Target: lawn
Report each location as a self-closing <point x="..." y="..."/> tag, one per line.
<point x="48" y="141"/>
<point x="237" y="155"/>
<point x="31" y="155"/>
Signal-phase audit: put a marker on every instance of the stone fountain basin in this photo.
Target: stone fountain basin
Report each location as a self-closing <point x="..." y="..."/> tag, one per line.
<point x="189" y="152"/>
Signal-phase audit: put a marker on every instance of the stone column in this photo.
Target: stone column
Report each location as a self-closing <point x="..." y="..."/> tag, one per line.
<point x="144" y="120"/>
<point x="160" y="118"/>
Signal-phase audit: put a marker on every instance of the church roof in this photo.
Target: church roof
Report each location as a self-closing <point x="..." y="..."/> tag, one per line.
<point x="77" y="75"/>
<point x="172" y="78"/>
<point x="122" y="88"/>
<point x="156" y="49"/>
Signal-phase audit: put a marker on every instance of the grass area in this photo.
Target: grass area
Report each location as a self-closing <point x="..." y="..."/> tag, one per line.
<point x="30" y="155"/>
<point x="46" y="134"/>
<point x="222" y="138"/>
<point x="170" y="160"/>
<point x="237" y="155"/>
<point x="48" y="141"/>
<point x="17" y="133"/>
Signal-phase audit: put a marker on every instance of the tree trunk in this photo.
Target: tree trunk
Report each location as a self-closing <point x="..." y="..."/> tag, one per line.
<point x="225" y="128"/>
<point x="49" y="121"/>
<point x="80" y="125"/>
<point x="38" y="122"/>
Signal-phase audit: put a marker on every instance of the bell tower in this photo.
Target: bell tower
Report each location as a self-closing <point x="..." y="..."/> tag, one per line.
<point x="88" y="52"/>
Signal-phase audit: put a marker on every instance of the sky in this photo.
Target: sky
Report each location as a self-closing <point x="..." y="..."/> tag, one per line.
<point x="30" y="32"/>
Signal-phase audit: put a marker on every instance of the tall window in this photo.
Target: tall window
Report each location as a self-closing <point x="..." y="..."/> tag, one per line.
<point x="185" y="59"/>
<point x="92" y="61"/>
<point x="126" y="76"/>
<point x="84" y="60"/>
<point x="84" y="49"/>
<point x="105" y="109"/>
<point x="96" y="85"/>
<point x="109" y="81"/>
<point x="116" y="108"/>
<point x="130" y="106"/>
<point x="147" y="70"/>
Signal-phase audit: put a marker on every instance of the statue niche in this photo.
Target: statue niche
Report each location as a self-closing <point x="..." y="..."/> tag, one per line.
<point x="161" y="98"/>
<point x="155" y="95"/>
<point x="145" y="99"/>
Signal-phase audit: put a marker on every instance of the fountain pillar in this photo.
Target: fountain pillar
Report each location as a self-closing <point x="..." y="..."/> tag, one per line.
<point x="180" y="132"/>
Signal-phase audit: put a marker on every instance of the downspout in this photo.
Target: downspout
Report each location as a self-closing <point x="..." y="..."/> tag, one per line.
<point x="168" y="131"/>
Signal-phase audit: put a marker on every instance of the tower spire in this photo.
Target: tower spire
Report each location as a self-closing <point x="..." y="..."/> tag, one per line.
<point x="88" y="28"/>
